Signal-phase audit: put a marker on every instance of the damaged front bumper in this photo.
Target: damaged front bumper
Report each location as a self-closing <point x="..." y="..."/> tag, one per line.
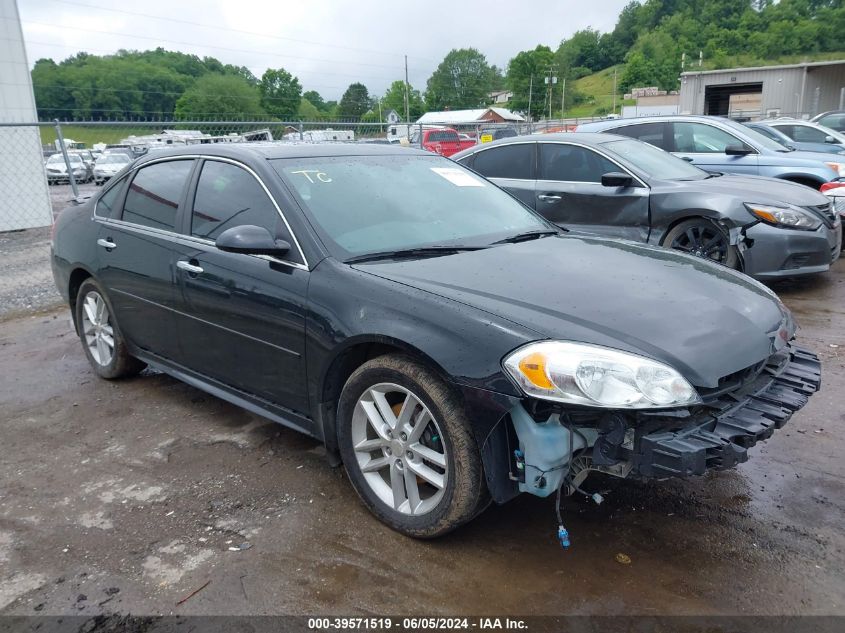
<point x="562" y="446"/>
<point x="734" y="423"/>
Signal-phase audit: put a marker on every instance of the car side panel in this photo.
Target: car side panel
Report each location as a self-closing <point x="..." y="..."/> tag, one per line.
<point x="242" y="321"/>
<point x="591" y="208"/>
<point x="138" y="276"/>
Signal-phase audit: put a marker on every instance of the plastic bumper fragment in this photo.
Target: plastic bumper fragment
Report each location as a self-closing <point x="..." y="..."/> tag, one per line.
<point x="723" y="440"/>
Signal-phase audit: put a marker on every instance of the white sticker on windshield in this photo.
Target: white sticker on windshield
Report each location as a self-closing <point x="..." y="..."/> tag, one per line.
<point x="458" y="177"/>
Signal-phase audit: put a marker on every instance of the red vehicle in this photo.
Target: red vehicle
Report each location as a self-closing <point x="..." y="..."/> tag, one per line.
<point x="444" y="141"/>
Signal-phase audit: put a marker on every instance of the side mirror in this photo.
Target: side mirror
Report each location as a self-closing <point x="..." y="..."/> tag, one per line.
<point x="250" y="240"/>
<point x="830" y="139"/>
<point x="616" y="179"/>
<point x="737" y="150"/>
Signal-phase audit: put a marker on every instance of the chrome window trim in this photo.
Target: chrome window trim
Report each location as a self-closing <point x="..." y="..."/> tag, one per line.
<point x="140" y="228"/>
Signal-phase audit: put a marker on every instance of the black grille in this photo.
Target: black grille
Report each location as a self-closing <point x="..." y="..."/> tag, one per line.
<point x="826" y="211"/>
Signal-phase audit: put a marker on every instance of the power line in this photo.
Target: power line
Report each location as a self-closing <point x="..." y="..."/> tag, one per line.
<point x="110" y="51"/>
<point x="231" y="30"/>
<point x="212" y="46"/>
<point x="134" y="91"/>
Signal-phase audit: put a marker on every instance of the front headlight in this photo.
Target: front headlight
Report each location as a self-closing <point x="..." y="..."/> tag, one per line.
<point x="579" y="373"/>
<point x="839" y="168"/>
<point x="791" y="217"/>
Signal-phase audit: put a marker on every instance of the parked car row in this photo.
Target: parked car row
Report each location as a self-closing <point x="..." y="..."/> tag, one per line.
<point x="86" y="166"/>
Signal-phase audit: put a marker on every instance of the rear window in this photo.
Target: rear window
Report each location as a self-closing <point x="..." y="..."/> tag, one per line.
<point x="154" y="194"/>
<point x="441" y="136"/>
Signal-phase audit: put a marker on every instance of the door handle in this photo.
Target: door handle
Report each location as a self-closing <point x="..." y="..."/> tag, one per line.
<point x="106" y="243"/>
<point x="547" y="197"/>
<point x="188" y="267"/>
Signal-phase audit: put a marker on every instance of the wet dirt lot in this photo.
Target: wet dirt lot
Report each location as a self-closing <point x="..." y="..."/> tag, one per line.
<point x="126" y="497"/>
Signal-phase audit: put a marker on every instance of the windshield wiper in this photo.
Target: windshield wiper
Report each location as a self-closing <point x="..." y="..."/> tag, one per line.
<point x="528" y="235"/>
<point x="422" y="251"/>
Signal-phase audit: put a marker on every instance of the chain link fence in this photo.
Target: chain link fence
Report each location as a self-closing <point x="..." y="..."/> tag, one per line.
<point x="44" y="167"/>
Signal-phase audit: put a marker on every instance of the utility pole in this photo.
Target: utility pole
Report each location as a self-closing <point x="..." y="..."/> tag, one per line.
<point x="407" y="102"/>
<point x="550" y="82"/>
<point x="614" y="91"/>
<point x="563" y="98"/>
<point x="530" y="90"/>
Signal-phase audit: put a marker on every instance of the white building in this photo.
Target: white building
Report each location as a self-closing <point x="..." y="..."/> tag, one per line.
<point x="25" y="200"/>
<point x="468" y="117"/>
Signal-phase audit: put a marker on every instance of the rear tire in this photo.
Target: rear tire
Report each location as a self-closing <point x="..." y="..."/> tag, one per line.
<point x="101" y="338"/>
<point x="703" y="238"/>
<point x="407" y="447"/>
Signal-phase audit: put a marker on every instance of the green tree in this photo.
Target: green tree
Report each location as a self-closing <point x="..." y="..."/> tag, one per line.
<point x="394" y="99"/>
<point x="307" y="111"/>
<point x="521" y="69"/>
<point x="639" y="73"/>
<point x="355" y="101"/>
<point x="584" y="48"/>
<point x="463" y="79"/>
<point x="315" y="99"/>
<point x="280" y="93"/>
<point x="220" y="96"/>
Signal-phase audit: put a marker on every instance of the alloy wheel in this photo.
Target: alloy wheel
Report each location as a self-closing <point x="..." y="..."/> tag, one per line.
<point x="703" y="240"/>
<point x="399" y="448"/>
<point x="97" y="328"/>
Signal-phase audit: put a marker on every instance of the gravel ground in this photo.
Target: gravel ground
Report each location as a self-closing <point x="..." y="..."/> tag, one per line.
<point x="126" y="497"/>
<point x="26" y="281"/>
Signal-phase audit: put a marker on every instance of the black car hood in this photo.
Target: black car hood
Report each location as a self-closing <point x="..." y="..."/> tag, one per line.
<point x="701" y="318"/>
<point x="750" y="189"/>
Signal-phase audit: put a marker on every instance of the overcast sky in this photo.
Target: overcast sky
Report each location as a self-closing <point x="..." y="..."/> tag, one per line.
<point x="328" y="45"/>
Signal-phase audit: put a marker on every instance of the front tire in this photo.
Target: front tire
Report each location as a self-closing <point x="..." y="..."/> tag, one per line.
<point x="100" y="335"/>
<point x="704" y="239"/>
<point x="407" y="447"/>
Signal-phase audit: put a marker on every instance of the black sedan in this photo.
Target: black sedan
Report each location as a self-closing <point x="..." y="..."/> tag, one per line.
<point x="615" y="186"/>
<point x="448" y="345"/>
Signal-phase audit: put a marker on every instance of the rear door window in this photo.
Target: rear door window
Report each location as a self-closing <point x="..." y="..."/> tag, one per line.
<point x="108" y="206"/>
<point x="572" y="163"/>
<point x="651" y="133"/>
<point x="155" y="193"/>
<point x="508" y="161"/>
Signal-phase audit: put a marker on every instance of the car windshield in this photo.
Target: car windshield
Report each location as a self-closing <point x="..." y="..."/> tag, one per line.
<point x="756" y="137"/>
<point x="113" y="159"/>
<point x="374" y="204"/>
<point x="654" y="162"/>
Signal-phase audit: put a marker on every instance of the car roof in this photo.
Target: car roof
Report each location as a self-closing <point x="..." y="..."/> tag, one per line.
<point x="584" y="138"/>
<point x="656" y="118"/>
<point x="271" y="150"/>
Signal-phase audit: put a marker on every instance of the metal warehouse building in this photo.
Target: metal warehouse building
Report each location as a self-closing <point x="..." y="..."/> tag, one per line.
<point x="790" y="90"/>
